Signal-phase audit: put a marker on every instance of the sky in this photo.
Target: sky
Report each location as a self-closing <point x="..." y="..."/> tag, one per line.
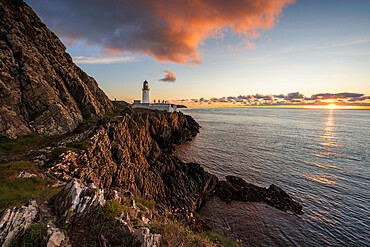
<point x="203" y="52"/>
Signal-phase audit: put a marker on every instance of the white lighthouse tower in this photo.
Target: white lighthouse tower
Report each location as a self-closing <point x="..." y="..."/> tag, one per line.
<point x="145" y="98"/>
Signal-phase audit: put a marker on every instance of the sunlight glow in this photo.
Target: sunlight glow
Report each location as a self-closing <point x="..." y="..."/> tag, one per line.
<point x="332" y="106"/>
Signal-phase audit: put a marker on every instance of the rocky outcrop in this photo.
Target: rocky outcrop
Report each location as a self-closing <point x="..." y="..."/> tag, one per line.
<point x="131" y="154"/>
<point x="236" y="189"/>
<point x="14" y="221"/>
<point x="80" y="208"/>
<point x="41" y="90"/>
<point x="77" y="201"/>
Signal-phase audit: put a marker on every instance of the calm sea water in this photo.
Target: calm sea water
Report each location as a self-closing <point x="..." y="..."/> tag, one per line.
<point x="320" y="157"/>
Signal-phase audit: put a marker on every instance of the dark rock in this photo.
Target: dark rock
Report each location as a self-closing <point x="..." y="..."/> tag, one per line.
<point x="237" y="189"/>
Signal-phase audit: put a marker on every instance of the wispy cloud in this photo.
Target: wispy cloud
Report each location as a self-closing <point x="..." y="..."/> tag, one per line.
<point x="102" y="60"/>
<point x="345" y="43"/>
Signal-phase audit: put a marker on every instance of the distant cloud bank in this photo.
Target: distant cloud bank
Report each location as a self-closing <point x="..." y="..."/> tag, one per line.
<point x="291" y="99"/>
<point x="166" y="30"/>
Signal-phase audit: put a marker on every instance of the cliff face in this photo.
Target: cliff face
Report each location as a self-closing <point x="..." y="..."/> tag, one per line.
<point x="41" y="90"/>
<point x="131" y="154"/>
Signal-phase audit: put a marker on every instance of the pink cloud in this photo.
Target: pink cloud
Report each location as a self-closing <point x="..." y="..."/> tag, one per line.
<point x="169" y="77"/>
<point x="166" y="30"/>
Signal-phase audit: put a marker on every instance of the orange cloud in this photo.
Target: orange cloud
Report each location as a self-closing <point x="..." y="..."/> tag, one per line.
<point x="169" y="77"/>
<point x="167" y="30"/>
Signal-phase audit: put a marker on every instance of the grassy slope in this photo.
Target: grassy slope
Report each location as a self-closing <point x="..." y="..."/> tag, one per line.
<point x="15" y="192"/>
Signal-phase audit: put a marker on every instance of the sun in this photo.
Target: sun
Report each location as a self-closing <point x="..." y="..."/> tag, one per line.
<point x="332" y="106"/>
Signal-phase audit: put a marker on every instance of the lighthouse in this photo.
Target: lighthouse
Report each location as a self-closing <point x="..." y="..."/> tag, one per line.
<point x="159" y="106"/>
<point x="145" y="98"/>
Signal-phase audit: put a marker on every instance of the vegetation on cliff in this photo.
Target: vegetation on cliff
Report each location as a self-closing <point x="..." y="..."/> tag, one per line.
<point x="16" y="190"/>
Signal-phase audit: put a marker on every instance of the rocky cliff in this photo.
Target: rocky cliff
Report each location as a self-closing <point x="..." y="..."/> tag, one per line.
<point x="131" y="153"/>
<point x="41" y="90"/>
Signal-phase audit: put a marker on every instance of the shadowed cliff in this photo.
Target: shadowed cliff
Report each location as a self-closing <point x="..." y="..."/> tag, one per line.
<point x="41" y="90"/>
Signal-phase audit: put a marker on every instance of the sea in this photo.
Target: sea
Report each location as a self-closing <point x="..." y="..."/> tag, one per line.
<point x="320" y="157"/>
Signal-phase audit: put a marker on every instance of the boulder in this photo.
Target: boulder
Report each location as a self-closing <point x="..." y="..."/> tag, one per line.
<point x="146" y="239"/>
<point x="77" y="201"/>
<point x="15" y="221"/>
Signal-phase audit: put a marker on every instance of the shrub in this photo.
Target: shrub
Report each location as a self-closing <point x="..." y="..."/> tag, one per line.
<point x="144" y="202"/>
<point x="111" y="209"/>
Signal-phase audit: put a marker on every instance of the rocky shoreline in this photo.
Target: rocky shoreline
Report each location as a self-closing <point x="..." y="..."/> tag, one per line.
<point x="109" y="173"/>
<point x="131" y="154"/>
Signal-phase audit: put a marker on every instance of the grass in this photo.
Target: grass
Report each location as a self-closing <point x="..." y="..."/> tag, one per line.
<point x="15" y="192"/>
<point x="12" y="169"/>
<point x="175" y="234"/>
<point x="32" y="237"/>
<point x="146" y="203"/>
<point x="112" y="209"/>
<point x="118" y="106"/>
<point x="57" y="151"/>
<point x="90" y="120"/>
<point x="75" y="146"/>
<point x="81" y="145"/>
<point x="219" y="239"/>
<point x="110" y="115"/>
<point x="22" y="142"/>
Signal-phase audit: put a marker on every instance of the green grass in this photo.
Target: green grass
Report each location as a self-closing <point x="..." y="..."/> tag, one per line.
<point x="176" y="234"/>
<point x="110" y="115"/>
<point x="22" y="142"/>
<point x="81" y="145"/>
<point x="118" y="106"/>
<point x="144" y="202"/>
<point x="219" y="239"/>
<point x="111" y="209"/>
<point x="15" y="192"/>
<point x="75" y="146"/>
<point x="12" y="169"/>
<point x="32" y="237"/>
<point x="90" y="120"/>
<point x="57" y="151"/>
